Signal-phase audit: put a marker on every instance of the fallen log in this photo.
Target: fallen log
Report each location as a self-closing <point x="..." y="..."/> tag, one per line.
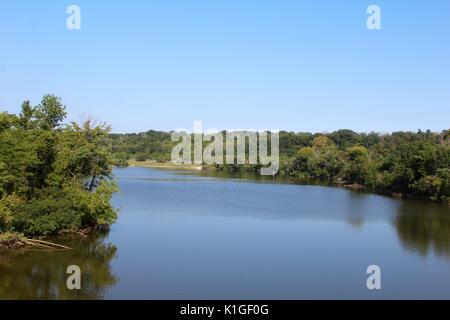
<point x="48" y="244"/>
<point x="12" y="240"/>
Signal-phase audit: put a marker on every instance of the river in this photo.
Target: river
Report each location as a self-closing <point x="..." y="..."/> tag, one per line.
<point x="182" y="235"/>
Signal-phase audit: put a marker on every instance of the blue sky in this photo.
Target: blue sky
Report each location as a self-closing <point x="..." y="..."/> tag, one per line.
<point x="293" y="65"/>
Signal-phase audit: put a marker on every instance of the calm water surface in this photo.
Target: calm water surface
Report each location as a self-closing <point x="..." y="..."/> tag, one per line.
<point x="186" y="236"/>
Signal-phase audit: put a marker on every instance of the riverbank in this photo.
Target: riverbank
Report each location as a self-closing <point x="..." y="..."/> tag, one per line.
<point x="12" y="240"/>
<point x="336" y="183"/>
<point x="163" y="165"/>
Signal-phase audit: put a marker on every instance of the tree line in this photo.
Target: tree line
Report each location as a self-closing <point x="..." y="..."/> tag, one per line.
<point x="401" y="163"/>
<point x="409" y="164"/>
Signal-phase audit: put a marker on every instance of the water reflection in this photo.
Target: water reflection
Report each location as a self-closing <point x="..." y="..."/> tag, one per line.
<point x="424" y="228"/>
<point x="42" y="275"/>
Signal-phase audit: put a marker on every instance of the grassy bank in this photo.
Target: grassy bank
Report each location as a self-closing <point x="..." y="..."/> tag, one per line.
<point x="165" y="165"/>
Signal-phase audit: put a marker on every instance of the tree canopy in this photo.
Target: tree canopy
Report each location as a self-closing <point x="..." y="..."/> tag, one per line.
<point x="54" y="177"/>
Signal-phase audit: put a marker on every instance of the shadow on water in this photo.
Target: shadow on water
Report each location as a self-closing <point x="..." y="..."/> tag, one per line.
<point x="424" y="228"/>
<point x="42" y="275"/>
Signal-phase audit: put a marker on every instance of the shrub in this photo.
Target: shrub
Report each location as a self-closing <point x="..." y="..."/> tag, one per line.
<point x="141" y="157"/>
<point x="47" y="214"/>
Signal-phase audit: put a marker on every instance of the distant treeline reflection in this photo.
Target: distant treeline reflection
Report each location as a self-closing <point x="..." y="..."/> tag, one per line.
<point x="424" y="228"/>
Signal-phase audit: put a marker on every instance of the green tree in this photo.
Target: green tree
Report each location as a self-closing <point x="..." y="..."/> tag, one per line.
<point x="50" y="112"/>
<point x="26" y="116"/>
<point x="357" y="163"/>
<point x="53" y="178"/>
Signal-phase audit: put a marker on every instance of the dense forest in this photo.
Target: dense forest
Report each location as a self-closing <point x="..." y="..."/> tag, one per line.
<point x="150" y="145"/>
<point x="53" y="177"/>
<point x="410" y="164"/>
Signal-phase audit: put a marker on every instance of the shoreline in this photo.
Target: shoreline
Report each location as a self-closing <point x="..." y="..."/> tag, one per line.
<point x="10" y="240"/>
<point x="164" y="165"/>
<point x="335" y="184"/>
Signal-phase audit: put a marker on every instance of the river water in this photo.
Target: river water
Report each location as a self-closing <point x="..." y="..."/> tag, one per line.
<point x="182" y="235"/>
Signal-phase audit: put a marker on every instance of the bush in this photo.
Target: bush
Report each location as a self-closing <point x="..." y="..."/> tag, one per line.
<point x="46" y="214"/>
<point x="141" y="157"/>
<point x="121" y="163"/>
<point x="70" y="209"/>
<point x="95" y="206"/>
<point x="8" y="205"/>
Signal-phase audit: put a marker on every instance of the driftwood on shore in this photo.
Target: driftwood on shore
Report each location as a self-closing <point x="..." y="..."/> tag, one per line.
<point x="10" y="241"/>
<point x="46" y="244"/>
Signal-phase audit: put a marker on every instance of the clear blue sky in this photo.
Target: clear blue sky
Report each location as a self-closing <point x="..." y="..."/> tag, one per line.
<point x="295" y="65"/>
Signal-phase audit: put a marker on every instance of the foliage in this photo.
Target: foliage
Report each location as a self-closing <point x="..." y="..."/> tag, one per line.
<point x="141" y="157"/>
<point x="150" y="145"/>
<point x="413" y="164"/>
<point x="53" y="177"/>
<point x="409" y="163"/>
